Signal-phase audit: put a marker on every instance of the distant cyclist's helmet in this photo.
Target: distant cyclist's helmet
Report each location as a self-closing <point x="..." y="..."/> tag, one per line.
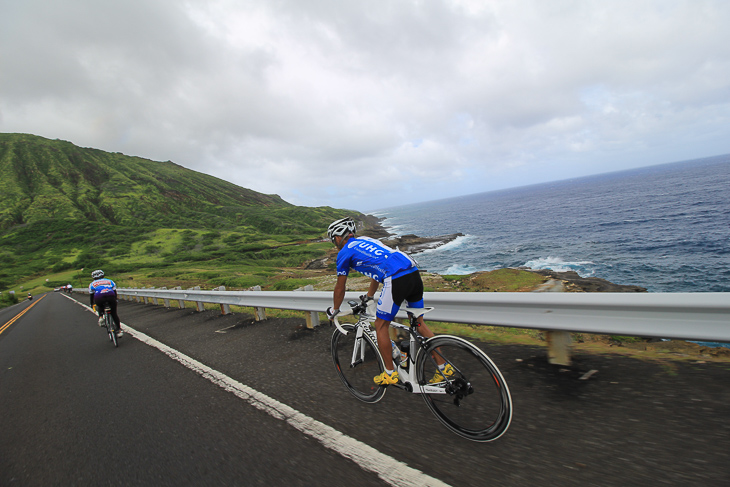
<point x="98" y="274"/>
<point x="338" y="228"/>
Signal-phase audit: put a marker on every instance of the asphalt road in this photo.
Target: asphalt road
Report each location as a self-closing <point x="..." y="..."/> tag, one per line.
<point x="76" y="411"/>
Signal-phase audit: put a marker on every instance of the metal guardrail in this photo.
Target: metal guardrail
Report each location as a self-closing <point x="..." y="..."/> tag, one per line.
<point x="688" y="316"/>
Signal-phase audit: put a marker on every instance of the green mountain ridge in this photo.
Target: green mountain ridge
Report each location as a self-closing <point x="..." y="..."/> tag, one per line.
<point x="45" y="179"/>
<point x="63" y="207"/>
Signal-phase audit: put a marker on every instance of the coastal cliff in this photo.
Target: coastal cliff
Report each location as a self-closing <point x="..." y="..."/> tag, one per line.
<point x="410" y="243"/>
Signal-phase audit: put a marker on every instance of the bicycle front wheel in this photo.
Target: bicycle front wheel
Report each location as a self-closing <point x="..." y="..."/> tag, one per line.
<point x="357" y="362"/>
<point x="474" y="402"/>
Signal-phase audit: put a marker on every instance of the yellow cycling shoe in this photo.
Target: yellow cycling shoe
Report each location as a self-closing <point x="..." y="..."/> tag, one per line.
<point x="385" y="379"/>
<point x="439" y="376"/>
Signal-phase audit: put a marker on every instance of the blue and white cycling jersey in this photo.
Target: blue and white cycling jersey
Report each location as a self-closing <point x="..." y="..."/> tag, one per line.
<point x="371" y="258"/>
<point x="102" y="287"/>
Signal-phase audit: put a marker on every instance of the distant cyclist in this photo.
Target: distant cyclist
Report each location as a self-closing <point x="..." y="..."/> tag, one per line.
<point x="104" y="292"/>
<point x="401" y="282"/>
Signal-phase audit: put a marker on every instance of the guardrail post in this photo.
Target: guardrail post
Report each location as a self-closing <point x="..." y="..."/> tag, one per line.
<point x="165" y="300"/>
<point x="260" y="313"/>
<point x="152" y="300"/>
<point x="199" y="303"/>
<point x="140" y="299"/>
<point x="558" y="341"/>
<point x="225" y="308"/>
<point x="558" y="347"/>
<point x="180" y="302"/>
<point x="312" y="317"/>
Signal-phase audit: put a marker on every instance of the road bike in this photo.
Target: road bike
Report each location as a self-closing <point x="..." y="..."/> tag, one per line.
<point x="474" y="402"/>
<point x="110" y="326"/>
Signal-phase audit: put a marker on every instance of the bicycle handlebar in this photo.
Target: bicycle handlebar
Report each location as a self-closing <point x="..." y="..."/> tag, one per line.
<point x="337" y="323"/>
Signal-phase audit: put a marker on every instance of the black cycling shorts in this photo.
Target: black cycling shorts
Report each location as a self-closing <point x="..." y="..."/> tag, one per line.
<point x="408" y="288"/>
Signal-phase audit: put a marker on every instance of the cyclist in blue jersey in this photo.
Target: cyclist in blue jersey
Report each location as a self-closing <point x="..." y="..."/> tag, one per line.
<point x="401" y="281"/>
<point x="104" y="292"/>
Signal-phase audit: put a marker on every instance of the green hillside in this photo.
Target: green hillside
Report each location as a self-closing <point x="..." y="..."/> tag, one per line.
<point x="50" y="179"/>
<point x="63" y="208"/>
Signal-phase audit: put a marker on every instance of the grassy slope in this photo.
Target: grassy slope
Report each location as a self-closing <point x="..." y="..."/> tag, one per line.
<point x="64" y="208"/>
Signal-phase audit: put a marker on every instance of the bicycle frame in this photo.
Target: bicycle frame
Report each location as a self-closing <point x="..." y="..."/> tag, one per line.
<point x="485" y="416"/>
<point x="406" y="375"/>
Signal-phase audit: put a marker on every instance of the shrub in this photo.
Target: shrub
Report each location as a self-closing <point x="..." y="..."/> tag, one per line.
<point x="62" y="266"/>
<point x="7" y="299"/>
<point x="87" y="260"/>
<point x="151" y="249"/>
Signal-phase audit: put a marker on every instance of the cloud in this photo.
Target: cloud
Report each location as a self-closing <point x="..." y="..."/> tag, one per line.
<point x="368" y="105"/>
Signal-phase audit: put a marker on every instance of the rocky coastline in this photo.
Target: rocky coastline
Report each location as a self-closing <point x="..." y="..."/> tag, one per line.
<point x="571" y="281"/>
<point x="410" y="243"/>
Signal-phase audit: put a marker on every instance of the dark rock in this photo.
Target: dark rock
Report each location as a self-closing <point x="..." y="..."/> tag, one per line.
<point x="373" y="228"/>
<point x="317" y="263"/>
<point x="589" y="284"/>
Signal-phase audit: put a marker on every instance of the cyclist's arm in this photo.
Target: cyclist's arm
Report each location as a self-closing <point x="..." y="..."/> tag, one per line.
<point x="339" y="294"/>
<point x="373" y="287"/>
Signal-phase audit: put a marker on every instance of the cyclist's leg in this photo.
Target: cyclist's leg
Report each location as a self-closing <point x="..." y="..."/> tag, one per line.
<point x="386" y="311"/>
<point x="413" y="295"/>
<point x="99" y="302"/>
<point x="113" y="307"/>
<point x="423" y="329"/>
<point x="381" y="331"/>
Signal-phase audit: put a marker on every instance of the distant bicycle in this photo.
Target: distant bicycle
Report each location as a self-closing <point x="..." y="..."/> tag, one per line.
<point x="110" y="326"/>
<point x="474" y="401"/>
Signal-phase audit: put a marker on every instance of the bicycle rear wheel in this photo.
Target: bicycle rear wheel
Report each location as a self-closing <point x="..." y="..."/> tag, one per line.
<point x="111" y="329"/>
<point x="357" y="375"/>
<point x="474" y="402"/>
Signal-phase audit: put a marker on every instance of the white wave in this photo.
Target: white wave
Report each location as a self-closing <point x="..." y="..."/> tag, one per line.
<point x="559" y="265"/>
<point x="395" y="229"/>
<point x="456" y="243"/>
<point x="460" y="270"/>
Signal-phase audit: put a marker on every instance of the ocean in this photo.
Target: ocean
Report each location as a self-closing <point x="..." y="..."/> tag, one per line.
<point x="665" y="227"/>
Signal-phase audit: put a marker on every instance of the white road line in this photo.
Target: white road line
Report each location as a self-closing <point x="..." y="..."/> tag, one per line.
<point x="225" y="330"/>
<point x="387" y="468"/>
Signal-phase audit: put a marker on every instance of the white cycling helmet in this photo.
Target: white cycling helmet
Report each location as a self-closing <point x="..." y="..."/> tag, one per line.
<point x="340" y="228"/>
<point x="97" y="274"/>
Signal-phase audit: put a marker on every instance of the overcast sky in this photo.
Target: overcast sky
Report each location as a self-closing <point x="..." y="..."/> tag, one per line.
<point x="377" y="103"/>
